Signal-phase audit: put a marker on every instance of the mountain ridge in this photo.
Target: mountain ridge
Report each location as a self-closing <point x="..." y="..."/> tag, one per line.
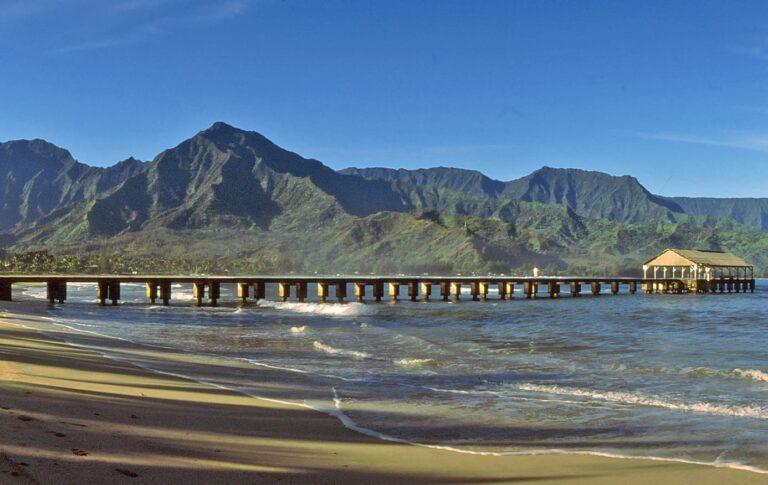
<point x="229" y="186"/>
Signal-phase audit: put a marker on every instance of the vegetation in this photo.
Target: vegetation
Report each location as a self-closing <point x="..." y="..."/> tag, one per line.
<point x="229" y="201"/>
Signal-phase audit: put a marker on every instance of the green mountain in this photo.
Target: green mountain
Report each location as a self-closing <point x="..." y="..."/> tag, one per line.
<point x="228" y="199"/>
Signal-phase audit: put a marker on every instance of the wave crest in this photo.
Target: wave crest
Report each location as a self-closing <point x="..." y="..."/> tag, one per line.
<point x="327" y="309"/>
<point x="756" y="412"/>
<point x="320" y="346"/>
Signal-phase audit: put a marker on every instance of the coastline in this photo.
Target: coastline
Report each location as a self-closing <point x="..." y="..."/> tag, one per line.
<point x="75" y="415"/>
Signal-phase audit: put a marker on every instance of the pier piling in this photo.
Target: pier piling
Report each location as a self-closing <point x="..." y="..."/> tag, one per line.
<point x="360" y="292"/>
<point x="413" y="290"/>
<point x="284" y="291"/>
<point x="6" y="291"/>
<point x="341" y="291"/>
<point x="456" y="290"/>
<point x="426" y="290"/>
<point x="243" y="291"/>
<point x="394" y="291"/>
<point x="378" y="290"/>
<point x="322" y="291"/>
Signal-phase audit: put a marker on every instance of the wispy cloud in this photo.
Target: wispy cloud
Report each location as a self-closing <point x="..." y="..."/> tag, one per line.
<point x="754" y="142"/>
<point x="202" y="13"/>
<point x="122" y="39"/>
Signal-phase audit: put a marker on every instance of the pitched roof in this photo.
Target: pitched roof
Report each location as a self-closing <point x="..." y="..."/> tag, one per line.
<point x="706" y="257"/>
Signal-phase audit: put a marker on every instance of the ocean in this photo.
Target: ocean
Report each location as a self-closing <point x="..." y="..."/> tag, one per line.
<point x="674" y="377"/>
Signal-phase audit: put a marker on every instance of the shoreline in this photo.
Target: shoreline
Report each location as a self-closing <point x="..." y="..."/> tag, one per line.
<point x="344" y="440"/>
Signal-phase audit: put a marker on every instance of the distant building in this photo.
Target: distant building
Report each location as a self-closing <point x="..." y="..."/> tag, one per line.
<point x="695" y="268"/>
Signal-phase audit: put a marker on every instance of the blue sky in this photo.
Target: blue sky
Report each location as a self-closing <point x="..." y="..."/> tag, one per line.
<point x="675" y="93"/>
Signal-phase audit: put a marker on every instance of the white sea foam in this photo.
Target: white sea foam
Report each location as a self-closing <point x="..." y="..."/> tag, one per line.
<point x="297" y="330"/>
<point x="412" y="362"/>
<point x="320" y="346"/>
<point x="300" y="371"/>
<point x="755" y="412"/>
<point x="753" y="374"/>
<point x="326" y="309"/>
<point x="338" y="412"/>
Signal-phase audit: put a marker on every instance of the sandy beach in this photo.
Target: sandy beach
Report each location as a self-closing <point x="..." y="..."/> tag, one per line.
<point x="73" y="416"/>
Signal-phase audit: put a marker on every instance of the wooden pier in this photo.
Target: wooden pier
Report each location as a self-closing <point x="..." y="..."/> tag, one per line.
<point x="207" y="289"/>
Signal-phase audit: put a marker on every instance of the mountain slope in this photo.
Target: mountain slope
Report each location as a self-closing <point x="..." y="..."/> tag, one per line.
<point x="37" y="177"/>
<point x="235" y="200"/>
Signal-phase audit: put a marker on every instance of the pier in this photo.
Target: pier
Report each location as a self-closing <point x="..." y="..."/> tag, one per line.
<point x="207" y="289"/>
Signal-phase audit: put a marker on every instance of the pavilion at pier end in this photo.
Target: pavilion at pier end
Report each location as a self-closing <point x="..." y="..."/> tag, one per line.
<point x="699" y="271"/>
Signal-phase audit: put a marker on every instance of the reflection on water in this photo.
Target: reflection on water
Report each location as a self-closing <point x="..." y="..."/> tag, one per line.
<point x="674" y="376"/>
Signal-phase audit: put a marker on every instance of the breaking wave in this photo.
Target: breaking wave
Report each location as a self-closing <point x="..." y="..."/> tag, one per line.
<point x="755" y="412"/>
<point x="320" y="346"/>
<point x="327" y="309"/>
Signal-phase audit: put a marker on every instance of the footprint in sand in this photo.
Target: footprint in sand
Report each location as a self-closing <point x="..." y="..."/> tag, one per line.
<point x="57" y="434"/>
<point x="25" y="418"/>
<point x="79" y="452"/>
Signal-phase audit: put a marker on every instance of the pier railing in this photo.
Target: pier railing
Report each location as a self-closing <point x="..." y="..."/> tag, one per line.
<point x="368" y="288"/>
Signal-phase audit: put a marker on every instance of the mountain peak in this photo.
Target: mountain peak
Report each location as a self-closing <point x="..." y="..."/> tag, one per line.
<point x="36" y="151"/>
<point x="221" y="126"/>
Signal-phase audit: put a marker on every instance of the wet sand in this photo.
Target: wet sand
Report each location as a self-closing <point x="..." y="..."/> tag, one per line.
<point x="70" y="415"/>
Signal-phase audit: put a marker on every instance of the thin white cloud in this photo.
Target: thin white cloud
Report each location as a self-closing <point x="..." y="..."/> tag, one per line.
<point x="209" y="12"/>
<point x="128" y="38"/>
<point x="754" y="142"/>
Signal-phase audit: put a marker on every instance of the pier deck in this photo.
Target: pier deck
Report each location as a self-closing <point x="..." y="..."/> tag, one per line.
<point x="247" y="288"/>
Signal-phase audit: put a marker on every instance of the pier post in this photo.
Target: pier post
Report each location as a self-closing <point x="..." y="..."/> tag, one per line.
<point x="152" y="292"/>
<point x="259" y="290"/>
<point x="633" y="287"/>
<point x="595" y="288"/>
<point x="528" y="289"/>
<point x="283" y="290"/>
<point x="575" y="288"/>
<point x="341" y="291"/>
<point x="394" y="290"/>
<point x="6" y="290"/>
<point x="413" y="290"/>
<point x="214" y="292"/>
<point x="502" y="285"/>
<point x="551" y="289"/>
<point x="114" y="291"/>
<point x="165" y="292"/>
<point x="243" y="291"/>
<point x="102" y="292"/>
<point x="198" y="291"/>
<point x="322" y="291"/>
<point x="445" y="290"/>
<point x="752" y="285"/>
<point x="474" y="290"/>
<point x="729" y="285"/>
<point x="744" y="286"/>
<point x="614" y="287"/>
<point x="483" y="287"/>
<point x="360" y="292"/>
<point x="56" y="290"/>
<point x="378" y="290"/>
<point x="301" y="291"/>
<point x="510" y="290"/>
<point x="456" y="290"/>
<point x="426" y="290"/>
